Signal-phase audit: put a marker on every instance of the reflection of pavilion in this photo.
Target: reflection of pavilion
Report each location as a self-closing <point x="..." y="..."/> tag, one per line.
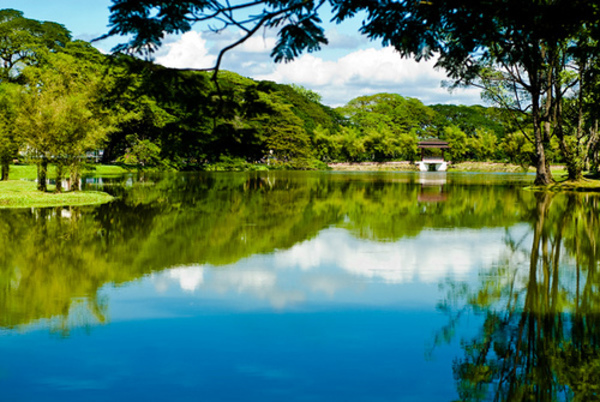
<point x="432" y="187"/>
<point x="431" y="158"/>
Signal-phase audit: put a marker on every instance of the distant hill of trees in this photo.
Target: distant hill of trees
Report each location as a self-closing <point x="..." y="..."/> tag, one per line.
<point x="61" y="98"/>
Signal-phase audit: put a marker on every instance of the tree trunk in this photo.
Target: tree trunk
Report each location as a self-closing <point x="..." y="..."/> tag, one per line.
<point x="75" y="177"/>
<point x="5" y="169"/>
<point x="593" y="148"/>
<point x="542" y="175"/>
<point x="42" y="174"/>
<point x="59" y="177"/>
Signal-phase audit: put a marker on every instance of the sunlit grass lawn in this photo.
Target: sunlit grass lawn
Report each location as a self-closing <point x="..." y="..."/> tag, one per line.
<point x="24" y="194"/>
<point x="21" y="190"/>
<point x="29" y="172"/>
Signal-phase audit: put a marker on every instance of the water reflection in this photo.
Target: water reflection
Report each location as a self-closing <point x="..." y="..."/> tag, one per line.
<point x="432" y="187"/>
<point x="540" y="339"/>
<point x="335" y="262"/>
<point x="53" y="257"/>
<point x="288" y="285"/>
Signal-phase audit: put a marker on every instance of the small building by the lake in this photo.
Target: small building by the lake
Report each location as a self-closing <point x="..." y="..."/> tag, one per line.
<point x="432" y="155"/>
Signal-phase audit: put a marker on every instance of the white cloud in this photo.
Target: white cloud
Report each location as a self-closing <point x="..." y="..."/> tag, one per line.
<point x="340" y="72"/>
<point x="367" y="72"/>
<point x="189" y="51"/>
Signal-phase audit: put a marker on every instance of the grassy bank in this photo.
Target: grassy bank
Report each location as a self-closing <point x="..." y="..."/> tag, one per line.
<point x="582" y="185"/>
<point x="480" y="167"/>
<point x="29" y="172"/>
<point x="373" y="166"/>
<point x="497" y="167"/>
<point x="24" y="194"/>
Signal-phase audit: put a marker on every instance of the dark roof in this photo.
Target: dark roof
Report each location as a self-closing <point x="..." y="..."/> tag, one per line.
<point x="433" y="143"/>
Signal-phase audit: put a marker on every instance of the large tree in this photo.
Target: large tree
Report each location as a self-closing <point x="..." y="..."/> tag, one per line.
<point x="515" y="36"/>
<point x="22" y="39"/>
<point x="60" y="116"/>
<point x="9" y="139"/>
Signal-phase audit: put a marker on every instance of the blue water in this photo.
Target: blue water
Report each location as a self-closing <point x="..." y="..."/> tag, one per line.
<point x="295" y="325"/>
<point x="341" y="307"/>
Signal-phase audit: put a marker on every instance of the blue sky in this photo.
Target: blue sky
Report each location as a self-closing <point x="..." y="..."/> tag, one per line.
<point x="350" y="66"/>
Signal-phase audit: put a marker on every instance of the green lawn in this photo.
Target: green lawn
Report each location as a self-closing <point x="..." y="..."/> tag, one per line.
<point x="28" y="172"/>
<point x="24" y="194"/>
<point x="21" y="192"/>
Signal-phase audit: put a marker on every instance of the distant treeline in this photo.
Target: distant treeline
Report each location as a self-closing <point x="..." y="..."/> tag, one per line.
<point x="60" y="99"/>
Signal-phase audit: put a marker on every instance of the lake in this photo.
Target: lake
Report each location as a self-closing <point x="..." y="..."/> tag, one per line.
<point x="303" y="286"/>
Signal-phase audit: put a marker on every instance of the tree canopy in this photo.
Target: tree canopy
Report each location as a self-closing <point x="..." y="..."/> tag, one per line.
<point x="144" y="115"/>
<point x="518" y="39"/>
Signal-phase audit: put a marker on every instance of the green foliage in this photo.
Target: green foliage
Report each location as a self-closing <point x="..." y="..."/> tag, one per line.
<point x="141" y="153"/>
<point x="470" y="118"/>
<point x="10" y="141"/>
<point x="520" y="51"/>
<point x="387" y="126"/>
<point x="21" y="39"/>
<point x="457" y="141"/>
<point x="155" y="116"/>
<point x="518" y="149"/>
<point x="60" y="118"/>
<point x="307" y="93"/>
<point x="482" y="146"/>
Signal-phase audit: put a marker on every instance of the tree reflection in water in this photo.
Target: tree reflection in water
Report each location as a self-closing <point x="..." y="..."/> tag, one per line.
<point x="54" y="262"/>
<point x="540" y="338"/>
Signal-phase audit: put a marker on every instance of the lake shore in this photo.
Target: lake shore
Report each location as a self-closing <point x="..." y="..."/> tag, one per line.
<point x="24" y="194"/>
<point x="21" y="190"/>
<point x="587" y="184"/>
<point x="483" y="167"/>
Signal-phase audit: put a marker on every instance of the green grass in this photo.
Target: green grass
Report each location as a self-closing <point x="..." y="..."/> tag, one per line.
<point x="582" y="185"/>
<point x="29" y="172"/>
<point x="24" y="194"/>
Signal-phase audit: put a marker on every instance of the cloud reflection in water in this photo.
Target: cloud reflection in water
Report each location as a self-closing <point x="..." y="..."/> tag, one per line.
<point x="335" y="262"/>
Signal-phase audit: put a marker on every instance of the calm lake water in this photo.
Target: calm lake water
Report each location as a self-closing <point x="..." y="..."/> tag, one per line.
<point x="303" y="286"/>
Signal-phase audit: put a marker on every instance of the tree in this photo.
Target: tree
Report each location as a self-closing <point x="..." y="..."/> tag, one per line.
<point x="514" y="37"/>
<point x="60" y="118"/>
<point x="483" y="145"/>
<point x="457" y="140"/>
<point x="307" y="93"/>
<point x="9" y="139"/>
<point x="22" y="39"/>
<point x="517" y="149"/>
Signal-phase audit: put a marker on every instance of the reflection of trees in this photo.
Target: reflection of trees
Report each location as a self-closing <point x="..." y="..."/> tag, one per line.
<point x="54" y="261"/>
<point x="540" y="338"/>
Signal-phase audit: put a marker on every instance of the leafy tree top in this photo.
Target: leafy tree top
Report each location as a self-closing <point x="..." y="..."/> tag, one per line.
<point x="22" y="39"/>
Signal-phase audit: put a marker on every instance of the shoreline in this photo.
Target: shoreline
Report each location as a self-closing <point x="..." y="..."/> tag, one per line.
<point x="24" y="194"/>
<point x="452" y="167"/>
<point x="482" y="167"/>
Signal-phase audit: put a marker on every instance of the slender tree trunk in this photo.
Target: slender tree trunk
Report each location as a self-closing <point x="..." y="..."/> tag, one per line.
<point x="542" y="175"/>
<point x="5" y="168"/>
<point x="42" y="174"/>
<point x="59" y="177"/>
<point x="593" y="148"/>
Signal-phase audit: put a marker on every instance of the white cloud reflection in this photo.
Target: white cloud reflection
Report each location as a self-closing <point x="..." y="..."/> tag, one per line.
<point x="335" y="262"/>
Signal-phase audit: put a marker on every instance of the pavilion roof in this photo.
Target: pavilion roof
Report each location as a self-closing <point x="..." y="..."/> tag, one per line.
<point x="433" y="143"/>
